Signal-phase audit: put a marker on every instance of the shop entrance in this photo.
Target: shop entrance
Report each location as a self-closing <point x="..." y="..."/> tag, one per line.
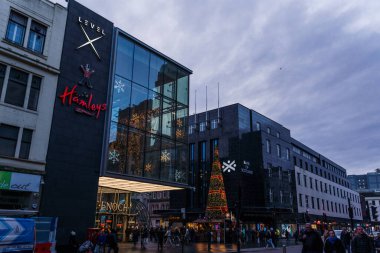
<point x="116" y="210"/>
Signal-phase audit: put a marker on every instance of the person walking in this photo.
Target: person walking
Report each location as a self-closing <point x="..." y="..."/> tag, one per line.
<point x="361" y="242"/>
<point x="333" y="244"/>
<point x="269" y="237"/>
<point x="160" y="238"/>
<point x="296" y="234"/>
<point x="312" y="241"/>
<point x="345" y="236"/>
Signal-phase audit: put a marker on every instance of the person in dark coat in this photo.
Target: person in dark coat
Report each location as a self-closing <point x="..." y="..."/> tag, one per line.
<point x="333" y="244"/>
<point x="361" y="242"/>
<point x="312" y="241"/>
<point x="160" y="238"/>
<point x="345" y="236"/>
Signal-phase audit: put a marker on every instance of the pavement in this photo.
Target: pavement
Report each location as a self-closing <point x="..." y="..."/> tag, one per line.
<point x="202" y="248"/>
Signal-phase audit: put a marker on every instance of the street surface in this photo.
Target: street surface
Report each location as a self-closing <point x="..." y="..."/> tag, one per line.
<point x="201" y="248"/>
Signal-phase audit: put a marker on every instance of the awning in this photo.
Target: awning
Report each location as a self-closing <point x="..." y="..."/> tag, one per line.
<point x="134" y="186"/>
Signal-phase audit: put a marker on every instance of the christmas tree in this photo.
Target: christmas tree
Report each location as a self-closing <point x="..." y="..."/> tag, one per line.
<point x="216" y="203"/>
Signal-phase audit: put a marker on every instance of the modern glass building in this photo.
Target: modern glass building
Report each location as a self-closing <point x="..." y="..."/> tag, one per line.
<point x="146" y="131"/>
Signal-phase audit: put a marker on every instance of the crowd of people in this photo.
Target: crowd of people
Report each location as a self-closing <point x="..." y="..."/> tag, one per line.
<point x="356" y="241"/>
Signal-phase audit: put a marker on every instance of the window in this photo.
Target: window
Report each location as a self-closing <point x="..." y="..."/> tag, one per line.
<point x="258" y="126"/>
<point x="16" y="88"/>
<point x="278" y="134"/>
<point x="268" y="146"/>
<point x="298" y="178"/>
<point x="34" y="93"/>
<point x="8" y="140"/>
<point x="318" y="206"/>
<point x="278" y="147"/>
<point x="311" y="182"/>
<point x="202" y="126"/>
<point x="270" y="195"/>
<point x="16" y="31"/>
<point x="300" y="199"/>
<point x="316" y="185"/>
<point x="312" y="203"/>
<point x="2" y="76"/>
<point x="192" y="128"/>
<point x="305" y="180"/>
<point x="287" y="154"/>
<point x="16" y="28"/>
<point x="307" y="201"/>
<point x="281" y="196"/>
<point x="37" y="36"/>
<point x="214" y="124"/>
<point x="26" y="141"/>
<point x="268" y="130"/>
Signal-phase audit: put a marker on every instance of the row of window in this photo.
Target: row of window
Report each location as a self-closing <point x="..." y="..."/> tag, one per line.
<point x="269" y="130"/>
<point x="315" y="170"/>
<point x="15" y="141"/>
<point x="154" y="207"/>
<point x="19" y="88"/>
<point x="21" y="27"/>
<point x="160" y="195"/>
<point x="325" y="205"/>
<point x="282" y="197"/>
<point x="278" y="172"/>
<point x="203" y="126"/>
<point x="278" y="150"/>
<point x="322" y="187"/>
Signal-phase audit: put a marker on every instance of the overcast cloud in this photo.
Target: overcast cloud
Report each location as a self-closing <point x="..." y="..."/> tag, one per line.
<point x="312" y="66"/>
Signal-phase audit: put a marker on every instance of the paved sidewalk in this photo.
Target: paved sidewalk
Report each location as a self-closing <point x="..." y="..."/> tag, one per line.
<point x="201" y="248"/>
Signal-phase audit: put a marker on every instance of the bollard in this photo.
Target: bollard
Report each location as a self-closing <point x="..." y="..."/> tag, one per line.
<point x="283" y="248"/>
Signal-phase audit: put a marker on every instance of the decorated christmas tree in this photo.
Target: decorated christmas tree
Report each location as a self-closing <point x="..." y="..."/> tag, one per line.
<point x="216" y="203"/>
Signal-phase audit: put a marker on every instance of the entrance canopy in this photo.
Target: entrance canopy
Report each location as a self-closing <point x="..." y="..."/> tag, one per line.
<point x="134" y="186"/>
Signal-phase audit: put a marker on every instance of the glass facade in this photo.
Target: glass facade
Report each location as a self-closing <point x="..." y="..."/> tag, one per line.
<point x="149" y="110"/>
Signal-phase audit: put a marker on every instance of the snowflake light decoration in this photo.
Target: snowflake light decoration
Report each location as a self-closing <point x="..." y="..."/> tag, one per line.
<point x="119" y="86"/>
<point x="165" y="156"/>
<point x="179" y="133"/>
<point x="113" y="156"/>
<point x="178" y="175"/>
<point x="148" y="167"/>
<point x="179" y="123"/>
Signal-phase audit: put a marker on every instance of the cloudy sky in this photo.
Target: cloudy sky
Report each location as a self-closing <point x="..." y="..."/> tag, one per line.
<point x="312" y="66"/>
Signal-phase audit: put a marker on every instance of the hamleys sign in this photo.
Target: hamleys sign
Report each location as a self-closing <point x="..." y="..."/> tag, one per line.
<point x="80" y="96"/>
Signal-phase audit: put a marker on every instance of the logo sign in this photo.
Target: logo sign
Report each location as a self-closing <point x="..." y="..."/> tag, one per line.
<point x="246" y="168"/>
<point x="19" y="182"/>
<point x="90" y="42"/>
<point x="229" y="166"/>
<point x="81" y="99"/>
<point x="113" y="206"/>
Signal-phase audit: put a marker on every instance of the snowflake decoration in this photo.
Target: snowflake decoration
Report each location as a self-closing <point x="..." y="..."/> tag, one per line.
<point x="165" y="156"/>
<point x="179" y="123"/>
<point x="119" y="86"/>
<point x="178" y="175"/>
<point x="148" y="167"/>
<point x="179" y="133"/>
<point x="113" y="156"/>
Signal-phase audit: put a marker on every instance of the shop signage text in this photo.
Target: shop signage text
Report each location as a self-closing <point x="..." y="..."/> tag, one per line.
<point x="84" y="102"/>
<point x="19" y="182"/>
<point x="114" y="207"/>
<point x="91" y="25"/>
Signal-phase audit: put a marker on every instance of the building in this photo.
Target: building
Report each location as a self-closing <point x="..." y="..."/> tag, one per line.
<point x="365" y="182"/>
<point x="118" y="127"/>
<point x="30" y="53"/>
<point x="158" y="201"/>
<point x="279" y="177"/>
<point x="322" y="187"/>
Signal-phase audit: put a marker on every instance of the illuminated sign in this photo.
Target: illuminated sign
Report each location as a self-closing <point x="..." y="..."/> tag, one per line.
<point x="86" y="23"/>
<point x="114" y="207"/>
<point x="82" y="100"/>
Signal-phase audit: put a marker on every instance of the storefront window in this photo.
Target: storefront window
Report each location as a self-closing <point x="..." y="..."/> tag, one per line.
<point x="167" y="160"/>
<point x="117" y="148"/>
<point x="152" y="156"/>
<point x="121" y="100"/>
<point x="124" y="58"/>
<point x="180" y="174"/>
<point x="181" y="123"/>
<point x="138" y="107"/>
<point x="183" y="88"/>
<point x="141" y="66"/>
<point x="135" y="152"/>
<point x="168" y="118"/>
<point x="156" y="72"/>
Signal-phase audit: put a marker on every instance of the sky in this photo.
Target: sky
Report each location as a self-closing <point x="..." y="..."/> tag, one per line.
<point x="312" y="66"/>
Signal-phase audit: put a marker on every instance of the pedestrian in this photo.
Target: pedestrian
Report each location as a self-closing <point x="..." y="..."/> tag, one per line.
<point x="345" y="236"/>
<point x="112" y="242"/>
<point x="333" y="244"/>
<point x="160" y="238"/>
<point x="73" y="242"/>
<point x="312" y="241"/>
<point x="209" y="237"/>
<point x="135" y="236"/>
<point x="361" y="243"/>
<point x="296" y="234"/>
<point x="269" y="237"/>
